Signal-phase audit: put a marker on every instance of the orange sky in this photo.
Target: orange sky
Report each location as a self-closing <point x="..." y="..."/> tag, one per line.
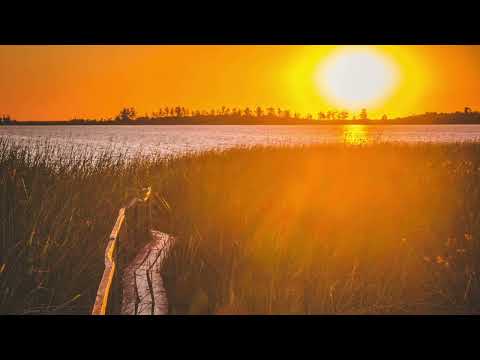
<point x="63" y="82"/>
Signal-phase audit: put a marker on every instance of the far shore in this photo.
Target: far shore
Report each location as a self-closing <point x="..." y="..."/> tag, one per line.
<point x="193" y="121"/>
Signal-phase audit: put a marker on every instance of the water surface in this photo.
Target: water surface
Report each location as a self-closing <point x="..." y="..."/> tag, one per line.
<point x="178" y="139"/>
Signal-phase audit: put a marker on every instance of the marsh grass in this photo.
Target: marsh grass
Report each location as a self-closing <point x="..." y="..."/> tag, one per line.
<point x="56" y="213"/>
<point x="329" y="229"/>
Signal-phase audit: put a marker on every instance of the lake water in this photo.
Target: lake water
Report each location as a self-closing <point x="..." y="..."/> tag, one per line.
<point x="177" y="139"/>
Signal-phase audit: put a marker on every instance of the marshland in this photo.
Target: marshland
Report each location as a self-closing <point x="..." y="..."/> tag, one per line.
<point x="339" y="228"/>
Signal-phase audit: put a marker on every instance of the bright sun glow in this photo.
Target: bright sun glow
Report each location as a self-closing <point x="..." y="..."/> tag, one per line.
<point x="356" y="78"/>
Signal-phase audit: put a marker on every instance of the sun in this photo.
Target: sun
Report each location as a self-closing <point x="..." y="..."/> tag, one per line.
<point x="355" y="78"/>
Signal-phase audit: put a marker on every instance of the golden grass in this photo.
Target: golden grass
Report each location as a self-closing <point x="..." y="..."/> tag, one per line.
<point x="328" y="229"/>
<point x="324" y="229"/>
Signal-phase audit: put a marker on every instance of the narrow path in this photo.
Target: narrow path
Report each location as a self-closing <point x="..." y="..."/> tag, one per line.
<point x="142" y="283"/>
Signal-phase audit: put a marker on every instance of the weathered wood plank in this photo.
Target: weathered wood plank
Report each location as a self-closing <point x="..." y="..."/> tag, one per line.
<point x="142" y="283"/>
<point x="147" y="195"/>
<point x="118" y="224"/>
<point x="110" y="272"/>
<point x="103" y="293"/>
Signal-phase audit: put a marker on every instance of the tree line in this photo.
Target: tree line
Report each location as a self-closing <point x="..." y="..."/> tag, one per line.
<point x="247" y="112"/>
<point x="6" y="120"/>
<point x="259" y="115"/>
<point x="130" y="114"/>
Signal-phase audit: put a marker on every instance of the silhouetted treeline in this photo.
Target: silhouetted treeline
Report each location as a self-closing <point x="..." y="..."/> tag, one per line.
<point x="257" y="115"/>
<point x="6" y="120"/>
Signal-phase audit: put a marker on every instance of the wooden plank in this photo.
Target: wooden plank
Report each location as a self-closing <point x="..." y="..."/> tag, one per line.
<point x="147" y="195"/>
<point x="142" y="283"/>
<point x="118" y="224"/>
<point x="103" y="293"/>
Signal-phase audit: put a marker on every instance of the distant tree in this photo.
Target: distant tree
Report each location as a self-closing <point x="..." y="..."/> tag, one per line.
<point x="279" y="112"/>
<point x="258" y="111"/>
<point x="178" y="111"/>
<point x="167" y="111"/>
<point x="468" y="110"/>
<point x="384" y="117"/>
<point x="363" y="114"/>
<point x="343" y="115"/>
<point x="247" y="112"/>
<point x="321" y="116"/>
<point x="309" y="117"/>
<point x="286" y="113"/>
<point x="271" y="111"/>
<point x="330" y="115"/>
<point x="126" y="114"/>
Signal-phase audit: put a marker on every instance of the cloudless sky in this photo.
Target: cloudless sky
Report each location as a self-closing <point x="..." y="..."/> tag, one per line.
<point x="63" y="82"/>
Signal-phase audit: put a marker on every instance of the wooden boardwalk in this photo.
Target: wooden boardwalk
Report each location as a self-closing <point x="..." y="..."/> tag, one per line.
<point x="142" y="284"/>
<point x="134" y="287"/>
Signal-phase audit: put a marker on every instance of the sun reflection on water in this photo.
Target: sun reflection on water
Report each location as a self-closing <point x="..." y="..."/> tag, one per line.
<point x="355" y="134"/>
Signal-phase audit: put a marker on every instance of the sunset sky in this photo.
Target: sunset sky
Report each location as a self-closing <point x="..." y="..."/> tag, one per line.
<point x="63" y="82"/>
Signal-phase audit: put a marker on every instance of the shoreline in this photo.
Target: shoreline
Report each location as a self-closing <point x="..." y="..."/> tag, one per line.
<point x="236" y="123"/>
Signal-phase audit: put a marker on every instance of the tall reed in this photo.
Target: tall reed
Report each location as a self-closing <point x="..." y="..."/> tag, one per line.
<point x="335" y="229"/>
<point x="57" y="209"/>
